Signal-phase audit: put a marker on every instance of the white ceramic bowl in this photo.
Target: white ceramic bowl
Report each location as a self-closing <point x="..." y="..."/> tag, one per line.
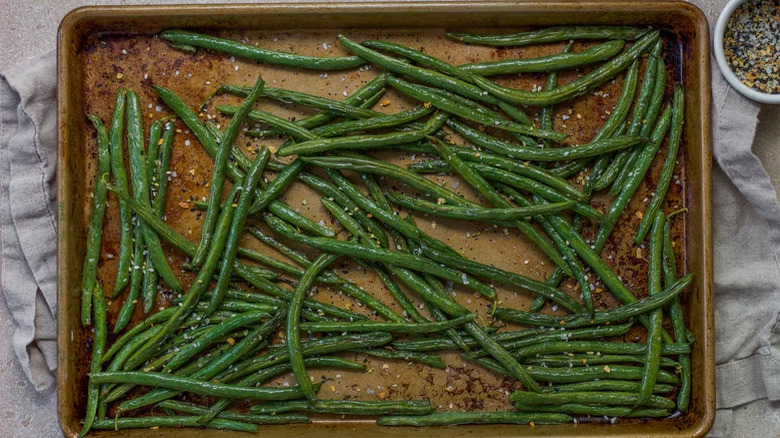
<point x="717" y="47"/>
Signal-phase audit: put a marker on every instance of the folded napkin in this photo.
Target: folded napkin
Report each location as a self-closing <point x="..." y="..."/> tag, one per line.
<point x="746" y="220"/>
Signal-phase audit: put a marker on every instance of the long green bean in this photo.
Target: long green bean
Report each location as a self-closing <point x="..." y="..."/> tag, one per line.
<point x="98" y="347"/>
<point x="597" y="411"/>
<point x="611" y="398"/>
<point x="346" y="407"/>
<point x="542" y="64"/>
<point x="577" y="87"/>
<point x="453" y="418"/>
<point x="678" y="319"/>
<point x="191" y="408"/>
<point x="473" y="213"/>
<point x="551" y="34"/>
<point x="192" y="39"/>
<point x="119" y="176"/>
<point x="183" y="421"/>
<point x="293" y="321"/>
<point x="395" y="327"/>
<point x="96" y="215"/>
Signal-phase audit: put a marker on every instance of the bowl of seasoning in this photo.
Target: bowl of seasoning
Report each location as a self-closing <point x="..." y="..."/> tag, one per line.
<point x="747" y="48"/>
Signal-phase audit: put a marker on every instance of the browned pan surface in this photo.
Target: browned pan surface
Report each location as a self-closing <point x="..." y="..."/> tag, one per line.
<point x="104" y="49"/>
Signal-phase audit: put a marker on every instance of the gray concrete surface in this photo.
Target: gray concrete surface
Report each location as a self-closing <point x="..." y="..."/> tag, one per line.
<point x="29" y="29"/>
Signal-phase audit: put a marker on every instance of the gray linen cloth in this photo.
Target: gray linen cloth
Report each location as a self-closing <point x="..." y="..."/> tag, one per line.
<point x="746" y="236"/>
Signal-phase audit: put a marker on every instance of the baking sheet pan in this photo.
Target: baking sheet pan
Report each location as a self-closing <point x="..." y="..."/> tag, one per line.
<point x="103" y="48"/>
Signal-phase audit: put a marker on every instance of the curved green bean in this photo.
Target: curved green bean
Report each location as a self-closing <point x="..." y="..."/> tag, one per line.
<point x="192" y="39"/>
<point x="678" y="319"/>
<point x="293" y="322"/>
<point x="542" y="64"/>
<point x="551" y="34"/>
<point x="577" y="87"/>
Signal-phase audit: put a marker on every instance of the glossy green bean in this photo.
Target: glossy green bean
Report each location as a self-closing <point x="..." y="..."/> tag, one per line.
<point x="192" y="39"/>
<point x="667" y="170"/>
<point x="434" y="344"/>
<point x="462" y="108"/>
<point x="151" y="276"/>
<point x="678" y="319"/>
<point x="365" y="98"/>
<point x="581" y="374"/>
<point x="394" y="327"/>
<point x="633" y="309"/>
<point x="98" y="347"/>
<point x="119" y="176"/>
<point x="472" y="213"/>
<point x="136" y="280"/>
<point x="550" y="35"/>
<point x="542" y="64"/>
<point x="184" y="421"/>
<point x="191" y="408"/>
<point x="330" y="190"/>
<point x="608" y="385"/>
<point x="96" y="215"/>
<point x="433" y="360"/>
<point x="293" y="323"/>
<point x="379" y="122"/>
<point x="612" y="398"/>
<point x="577" y="346"/>
<point x="654" y="347"/>
<point x="597" y="411"/>
<point x="352" y="142"/>
<point x="282" y="125"/>
<point x="196" y="386"/>
<point x="576" y="87"/>
<point x="347" y="407"/>
<point x="592" y="359"/>
<point x="454" y="418"/>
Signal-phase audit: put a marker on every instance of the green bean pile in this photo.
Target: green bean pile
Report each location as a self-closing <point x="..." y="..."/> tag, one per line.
<point x="218" y="341"/>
